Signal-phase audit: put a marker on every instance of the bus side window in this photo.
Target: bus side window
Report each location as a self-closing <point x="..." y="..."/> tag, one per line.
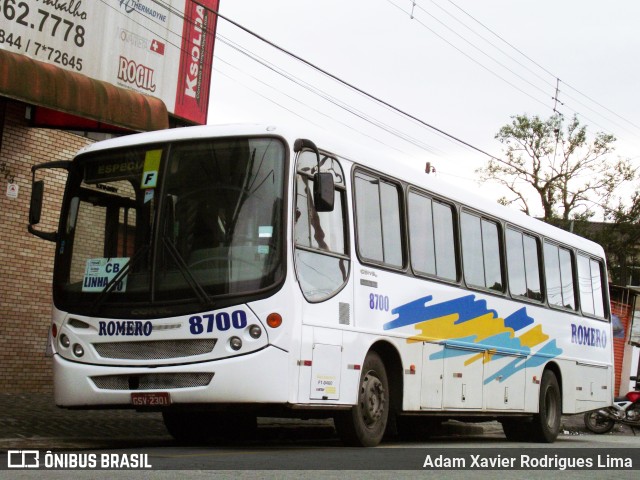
<point x="558" y="268"/>
<point x="318" y="230"/>
<point x="432" y="237"/>
<point x="322" y="259"/>
<point x="523" y="254"/>
<point x="481" y="252"/>
<point x="590" y="286"/>
<point x="379" y="220"/>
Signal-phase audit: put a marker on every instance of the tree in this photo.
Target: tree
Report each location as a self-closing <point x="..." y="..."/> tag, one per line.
<point x="571" y="176"/>
<point x="620" y="237"/>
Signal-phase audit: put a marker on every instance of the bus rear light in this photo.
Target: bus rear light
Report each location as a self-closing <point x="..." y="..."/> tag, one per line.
<point x="54" y="330"/>
<point x="274" y="320"/>
<point x="255" y="331"/>
<point x="64" y="341"/>
<point x="78" y="351"/>
<point x="235" y="343"/>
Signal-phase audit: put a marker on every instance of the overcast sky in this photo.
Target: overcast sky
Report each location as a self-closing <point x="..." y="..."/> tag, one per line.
<point x="463" y="66"/>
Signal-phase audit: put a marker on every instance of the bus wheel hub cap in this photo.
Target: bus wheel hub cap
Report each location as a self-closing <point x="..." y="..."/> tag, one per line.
<point x="372" y="400"/>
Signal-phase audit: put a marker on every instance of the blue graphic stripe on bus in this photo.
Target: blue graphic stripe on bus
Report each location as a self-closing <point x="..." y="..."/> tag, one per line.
<point x="550" y="350"/>
<point x="466" y="321"/>
<point x="518" y="319"/>
<point x="466" y="307"/>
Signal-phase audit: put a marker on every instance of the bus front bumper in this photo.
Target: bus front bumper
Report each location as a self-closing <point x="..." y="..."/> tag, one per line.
<point x="259" y="377"/>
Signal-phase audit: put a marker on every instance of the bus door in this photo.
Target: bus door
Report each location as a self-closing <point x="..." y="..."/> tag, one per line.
<point x="322" y="265"/>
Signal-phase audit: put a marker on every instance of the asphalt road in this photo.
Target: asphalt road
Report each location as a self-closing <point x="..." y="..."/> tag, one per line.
<point x="282" y="448"/>
<point x="325" y="458"/>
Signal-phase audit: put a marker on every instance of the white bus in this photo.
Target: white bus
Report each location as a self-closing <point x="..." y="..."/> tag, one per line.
<point x="220" y="274"/>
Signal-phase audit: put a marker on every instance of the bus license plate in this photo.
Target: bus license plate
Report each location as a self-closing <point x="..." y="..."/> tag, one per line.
<point x="151" y="399"/>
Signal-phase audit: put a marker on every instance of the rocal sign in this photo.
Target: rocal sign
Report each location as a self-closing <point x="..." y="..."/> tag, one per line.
<point x="163" y="49"/>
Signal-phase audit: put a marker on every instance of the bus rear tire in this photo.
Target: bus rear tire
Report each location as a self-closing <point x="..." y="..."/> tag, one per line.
<point x="546" y="423"/>
<point x="365" y="424"/>
<point x="544" y="426"/>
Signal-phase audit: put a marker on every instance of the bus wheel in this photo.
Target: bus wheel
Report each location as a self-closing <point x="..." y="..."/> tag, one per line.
<point x="546" y="423"/>
<point x="365" y="424"/>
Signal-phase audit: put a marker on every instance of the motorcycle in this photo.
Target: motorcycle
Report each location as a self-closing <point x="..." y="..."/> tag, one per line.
<point x="625" y="410"/>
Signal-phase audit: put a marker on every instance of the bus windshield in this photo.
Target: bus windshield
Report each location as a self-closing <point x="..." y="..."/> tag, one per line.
<point x="188" y="223"/>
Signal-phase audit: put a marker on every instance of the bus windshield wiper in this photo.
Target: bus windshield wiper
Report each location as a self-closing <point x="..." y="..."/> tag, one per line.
<point x="186" y="273"/>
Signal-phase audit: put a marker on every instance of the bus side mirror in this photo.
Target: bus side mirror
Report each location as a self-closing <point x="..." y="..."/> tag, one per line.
<point x="35" y="208"/>
<point x="323" y="188"/>
<point x="37" y="198"/>
<point x="323" y="192"/>
<point x="35" y="211"/>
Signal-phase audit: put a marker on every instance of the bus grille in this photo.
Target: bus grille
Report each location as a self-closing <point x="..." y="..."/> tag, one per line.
<point x="154" y="381"/>
<point x="155" y="350"/>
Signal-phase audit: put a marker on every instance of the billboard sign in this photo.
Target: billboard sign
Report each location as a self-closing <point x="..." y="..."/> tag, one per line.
<point x="163" y="49"/>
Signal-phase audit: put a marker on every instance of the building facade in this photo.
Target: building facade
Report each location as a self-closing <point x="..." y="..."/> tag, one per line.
<point x="26" y="262"/>
<point x="45" y="115"/>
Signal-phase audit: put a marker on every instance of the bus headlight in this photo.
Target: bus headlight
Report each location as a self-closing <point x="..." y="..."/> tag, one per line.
<point x="64" y="341"/>
<point x="78" y="351"/>
<point x="255" y="331"/>
<point x="235" y="343"/>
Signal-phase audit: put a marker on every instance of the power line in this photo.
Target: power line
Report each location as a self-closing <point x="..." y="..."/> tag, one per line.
<point x="368" y="95"/>
<point x="395" y="132"/>
<point x="506" y="54"/>
<point x="502" y="39"/>
<point x="476" y="48"/>
<point x="555" y="97"/>
<point x="331" y="99"/>
<point x="355" y="88"/>
<point x="297" y="101"/>
<point x="413" y="17"/>
<point x="601" y="106"/>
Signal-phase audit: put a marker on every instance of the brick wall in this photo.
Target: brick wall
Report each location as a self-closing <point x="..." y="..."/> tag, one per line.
<point x="26" y="262"/>
<point x="623" y="312"/>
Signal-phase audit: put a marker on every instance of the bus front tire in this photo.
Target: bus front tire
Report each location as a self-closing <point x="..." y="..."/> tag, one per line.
<point x="365" y="424"/>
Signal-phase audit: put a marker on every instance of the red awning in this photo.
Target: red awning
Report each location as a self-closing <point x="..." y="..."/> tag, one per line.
<point x="38" y="83"/>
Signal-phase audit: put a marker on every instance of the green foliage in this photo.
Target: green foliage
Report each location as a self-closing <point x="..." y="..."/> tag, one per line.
<point x="574" y="179"/>
<point x="555" y="163"/>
